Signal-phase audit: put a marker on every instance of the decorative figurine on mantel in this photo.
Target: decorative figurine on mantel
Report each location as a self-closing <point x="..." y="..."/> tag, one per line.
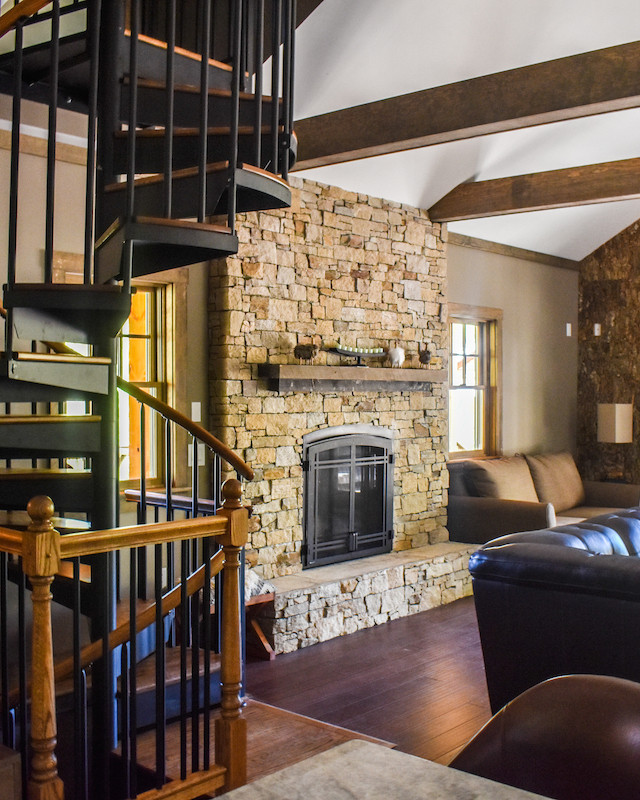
<point x="359" y="353"/>
<point x="424" y="356"/>
<point x="396" y="357"/>
<point x="305" y="352"/>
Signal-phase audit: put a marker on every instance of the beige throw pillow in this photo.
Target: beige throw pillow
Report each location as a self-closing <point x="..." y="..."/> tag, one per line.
<point x="557" y="480"/>
<point x="502" y="478"/>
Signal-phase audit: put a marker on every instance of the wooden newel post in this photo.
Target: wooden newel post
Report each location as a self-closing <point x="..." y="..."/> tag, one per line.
<point x="231" y="730"/>
<point x="40" y="562"/>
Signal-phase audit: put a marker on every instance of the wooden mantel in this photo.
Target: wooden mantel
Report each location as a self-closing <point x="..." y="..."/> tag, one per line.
<point x="302" y="378"/>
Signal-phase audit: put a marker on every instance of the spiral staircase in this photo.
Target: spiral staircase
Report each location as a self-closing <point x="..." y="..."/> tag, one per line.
<point x="182" y="136"/>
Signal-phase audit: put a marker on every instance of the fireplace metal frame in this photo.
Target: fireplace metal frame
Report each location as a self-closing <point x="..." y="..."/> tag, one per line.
<point x="352" y="543"/>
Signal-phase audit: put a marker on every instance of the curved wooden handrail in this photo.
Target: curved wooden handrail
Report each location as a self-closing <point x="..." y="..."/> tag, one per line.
<point x="27" y="8"/>
<point x="189" y="425"/>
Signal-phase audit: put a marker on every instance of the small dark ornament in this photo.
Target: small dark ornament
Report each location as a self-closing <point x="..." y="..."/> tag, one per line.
<point x="305" y="352"/>
<point x="424" y="355"/>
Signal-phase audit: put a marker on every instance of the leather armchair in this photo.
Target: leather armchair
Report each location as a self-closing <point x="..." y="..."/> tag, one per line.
<point x="569" y="738"/>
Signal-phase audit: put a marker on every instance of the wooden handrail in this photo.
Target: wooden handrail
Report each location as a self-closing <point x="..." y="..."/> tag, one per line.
<point x="27" y="8"/>
<point x="192" y="427"/>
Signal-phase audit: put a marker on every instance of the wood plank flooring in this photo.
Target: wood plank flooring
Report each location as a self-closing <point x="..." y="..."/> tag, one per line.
<point x="275" y="740"/>
<point x="417" y="681"/>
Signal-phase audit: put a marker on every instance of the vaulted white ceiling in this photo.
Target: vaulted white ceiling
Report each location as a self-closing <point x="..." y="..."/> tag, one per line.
<point x="351" y="52"/>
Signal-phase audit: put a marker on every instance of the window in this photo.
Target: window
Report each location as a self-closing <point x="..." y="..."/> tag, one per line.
<point x="473" y="381"/>
<point x="141" y="361"/>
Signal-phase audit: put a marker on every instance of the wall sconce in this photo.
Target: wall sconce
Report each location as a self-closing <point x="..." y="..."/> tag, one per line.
<point x="615" y="422"/>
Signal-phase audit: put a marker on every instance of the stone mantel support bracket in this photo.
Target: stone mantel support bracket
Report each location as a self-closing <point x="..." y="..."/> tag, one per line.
<point x="284" y="378"/>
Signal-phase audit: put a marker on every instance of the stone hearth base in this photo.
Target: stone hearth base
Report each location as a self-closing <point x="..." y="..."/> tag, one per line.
<point x="325" y="602"/>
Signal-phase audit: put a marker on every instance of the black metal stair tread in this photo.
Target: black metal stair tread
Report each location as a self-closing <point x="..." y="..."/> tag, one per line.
<point x="188" y="88"/>
<point x="146" y="672"/>
<point x="179" y="51"/>
<point x="192" y="172"/>
<point x="163" y="222"/>
<point x="58" y="358"/>
<point x="37" y="473"/>
<point x="20" y="521"/>
<point x="48" y="419"/>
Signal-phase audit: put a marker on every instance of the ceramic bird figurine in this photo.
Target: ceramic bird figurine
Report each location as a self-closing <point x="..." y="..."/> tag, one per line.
<point x="424" y="356"/>
<point x="396" y="356"/>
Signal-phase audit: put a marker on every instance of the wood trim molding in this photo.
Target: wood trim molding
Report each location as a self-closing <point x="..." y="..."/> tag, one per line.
<point x="35" y="146"/>
<point x="459" y="240"/>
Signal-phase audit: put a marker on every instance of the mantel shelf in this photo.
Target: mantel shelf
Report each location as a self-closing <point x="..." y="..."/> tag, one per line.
<point x="305" y="378"/>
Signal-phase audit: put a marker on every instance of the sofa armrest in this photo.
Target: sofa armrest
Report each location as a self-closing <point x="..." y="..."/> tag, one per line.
<point x="478" y="519"/>
<point x="611" y="495"/>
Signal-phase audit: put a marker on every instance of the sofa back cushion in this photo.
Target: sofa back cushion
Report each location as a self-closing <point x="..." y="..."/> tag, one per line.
<point x="502" y="478"/>
<point x="557" y="480"/>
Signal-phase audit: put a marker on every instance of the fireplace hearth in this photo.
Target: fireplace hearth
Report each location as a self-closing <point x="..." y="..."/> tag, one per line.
<point x="348" y="493"/>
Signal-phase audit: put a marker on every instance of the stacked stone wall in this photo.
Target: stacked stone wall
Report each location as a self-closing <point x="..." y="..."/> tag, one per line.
<point x="336" y="268"/>
<point x="302" y="617"/>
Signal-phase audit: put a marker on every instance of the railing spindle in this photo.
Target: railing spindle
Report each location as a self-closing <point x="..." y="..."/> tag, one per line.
<point x="51" y="141"/>
<point x="258" y="91"/>
<point x="205" y="46"/>
<point x="276" y="35"/>
<point x="168" y="130"/>
<point x="235" y="114"/>
<point x="161" y="704"/>
<point x="93" y="46"/>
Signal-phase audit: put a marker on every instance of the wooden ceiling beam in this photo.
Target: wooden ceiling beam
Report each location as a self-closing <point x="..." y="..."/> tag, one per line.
<point x="561" y="188"/>
<point x="565" y="88"/>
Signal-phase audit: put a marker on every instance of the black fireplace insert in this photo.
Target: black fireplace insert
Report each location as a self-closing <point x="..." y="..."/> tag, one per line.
<point x="348" y="493"/>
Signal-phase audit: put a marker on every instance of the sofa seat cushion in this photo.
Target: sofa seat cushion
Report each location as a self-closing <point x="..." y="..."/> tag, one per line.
<point x="586" y="512"/>
<point x="557" y="481"/>
<point x="502" y="479"/>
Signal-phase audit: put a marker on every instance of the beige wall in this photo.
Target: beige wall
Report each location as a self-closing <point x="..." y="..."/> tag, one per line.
<point x="540" y="362"/>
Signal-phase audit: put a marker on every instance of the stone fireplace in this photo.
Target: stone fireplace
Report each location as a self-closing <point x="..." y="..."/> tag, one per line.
<point x="338" y="269"/>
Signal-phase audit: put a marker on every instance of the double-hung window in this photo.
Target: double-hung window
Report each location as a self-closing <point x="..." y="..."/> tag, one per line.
<point x="474" y="406"/>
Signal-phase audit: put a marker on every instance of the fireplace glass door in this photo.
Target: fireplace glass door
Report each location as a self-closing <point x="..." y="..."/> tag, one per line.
<point x="348" y="499"/>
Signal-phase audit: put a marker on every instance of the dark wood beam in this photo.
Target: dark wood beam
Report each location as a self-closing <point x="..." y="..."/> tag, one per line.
<point x="575" y="186"/>
<point x="304" y="8"/>
<point x="566" y="88"/>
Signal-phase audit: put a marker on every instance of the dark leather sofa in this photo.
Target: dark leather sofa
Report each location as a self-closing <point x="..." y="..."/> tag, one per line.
<point x="559" y="601"/>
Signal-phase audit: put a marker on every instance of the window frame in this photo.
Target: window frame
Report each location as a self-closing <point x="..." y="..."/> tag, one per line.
<point x="490" y="346"/>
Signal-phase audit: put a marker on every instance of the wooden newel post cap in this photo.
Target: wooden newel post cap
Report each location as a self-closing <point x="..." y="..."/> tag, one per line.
<point x="40" y="509"/>
<point x="232" y="492"/>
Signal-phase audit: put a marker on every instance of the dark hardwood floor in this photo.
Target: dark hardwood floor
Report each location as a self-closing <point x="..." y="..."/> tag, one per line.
<point x="417" y="681"/>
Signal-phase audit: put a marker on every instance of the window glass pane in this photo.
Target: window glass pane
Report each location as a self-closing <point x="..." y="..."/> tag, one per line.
<point x="465" y="420"/>
<point x="472" y="371"/>
<point x="457" y="330"/>
<point x="471" y="338"/>
<point x="457" y="370"/>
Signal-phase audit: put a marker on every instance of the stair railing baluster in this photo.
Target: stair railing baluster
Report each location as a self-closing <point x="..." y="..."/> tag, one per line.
<point x="258" y="91"/>
<point x="194" y="476"/>
<point x="184" y="644"/>
<point x="160" y="693"/>
<point x="93" y="32"/>
<point x="168" y="471"/>
<point x="13" y="181"/>
<point x="169" y="122"/>
<point x="195" y="668"/>
<point x="127" y="267"/>
<point x="235" y="114"/>
<point x="142" y="502"/>
<point x="276" y="36"/>
<point x="133" y="661"/>
<point x="22" y="679"/>
<point x="4" y="652"/>
<point x="249" y="25"/>
<point x="287" y="88"/>
<point x="125" y="726"/>
<point x="206" y="647"/>
<point x="51" y="141"/>
<point x="79" y="693"/>
<point x="205" y="46"/>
